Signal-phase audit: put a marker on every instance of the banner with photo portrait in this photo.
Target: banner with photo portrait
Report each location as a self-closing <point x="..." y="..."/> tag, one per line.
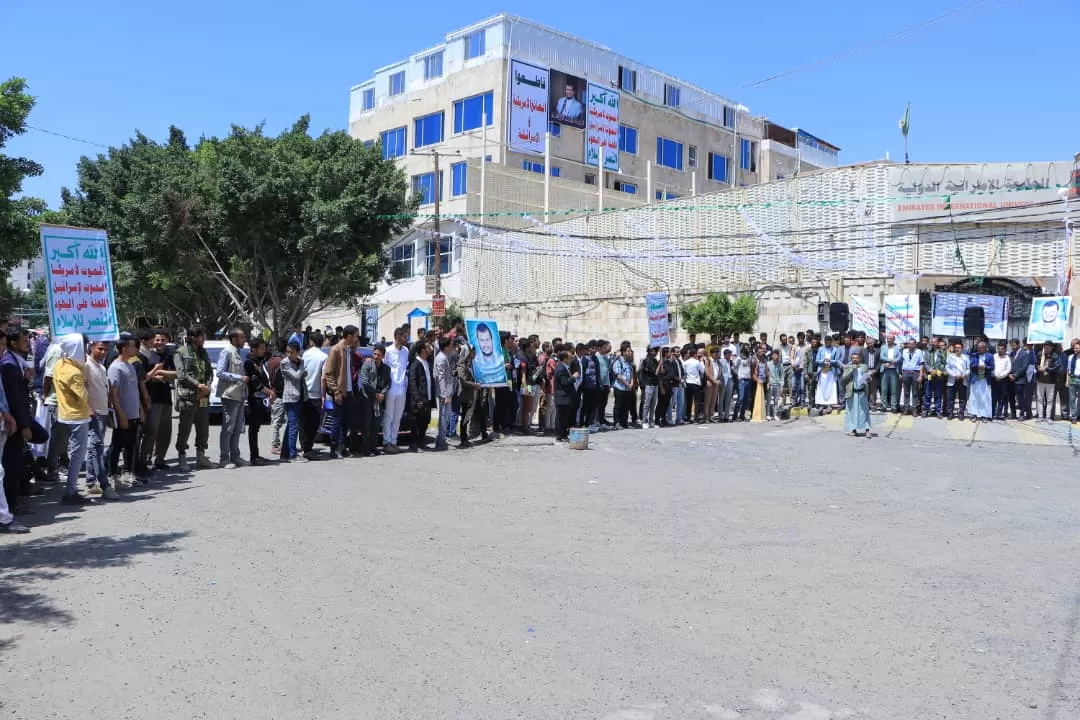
<point x="488" y="367"/>
<point x="567" y="99"/>
<point x="1049" y="319"/>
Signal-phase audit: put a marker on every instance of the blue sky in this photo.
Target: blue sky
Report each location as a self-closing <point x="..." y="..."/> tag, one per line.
<point x="995" y="82"/>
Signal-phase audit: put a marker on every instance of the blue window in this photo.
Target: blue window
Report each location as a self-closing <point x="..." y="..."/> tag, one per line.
<point x="474" y="45"/>
<point x="671" y="95"/>
<point x="717" y="167"/>
<point x="424" y="186"/>
<point x="393" y="143"/>
<point x="459" y="177"/>
<point x="428" y="130"/>
<point x="627" y="139"/>
<point x="538" y="168"/>
<point x="629" y="188"/>
<point x="469" y="113"/>
<point x="747" y="161"/>
<point x="669" y="153"/>
<point x="368" y="99"/>
<point x="433" y="65"/>
<point x="555" y="129"/>
<point x="397" y="83"/>
<point x="401" y="261"/>
<point x="729" y="116"/>
<point x="661" y="195"/>
<point x="445" y="252"/>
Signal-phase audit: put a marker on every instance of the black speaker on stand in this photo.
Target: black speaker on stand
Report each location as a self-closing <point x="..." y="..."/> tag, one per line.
<point x="974" y="321"/>
<point x="840" y="317"/>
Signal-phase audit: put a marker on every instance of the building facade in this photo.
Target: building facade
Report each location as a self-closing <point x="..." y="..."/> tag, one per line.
<point x="519" y="115"/>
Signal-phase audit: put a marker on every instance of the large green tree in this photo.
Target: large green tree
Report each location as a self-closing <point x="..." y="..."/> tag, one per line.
<point x="717" y="314"/>
<point x="264" y="229"/>
<point x="18" y="215"/>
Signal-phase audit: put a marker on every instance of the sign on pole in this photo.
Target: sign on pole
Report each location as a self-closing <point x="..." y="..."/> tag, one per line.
<point x="438" y="306"/>
<point x="656" y="308"/>
<point x="79" y="281"/>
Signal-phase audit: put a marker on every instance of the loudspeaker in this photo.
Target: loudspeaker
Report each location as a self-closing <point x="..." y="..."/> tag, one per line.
<point x="840" y="317"/>
<point x="974" y="321"/>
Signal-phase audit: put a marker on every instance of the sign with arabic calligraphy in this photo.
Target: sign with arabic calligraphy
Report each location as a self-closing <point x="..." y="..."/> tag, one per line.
<point x="902" y="317"/>
<point x="528" y="107"/>
<point x="602" y="133"/>
<point x="79" y="281"/>
<point x="656" y="310"/>
<point x="566" y="99"/>
<point x="864" y="316"/>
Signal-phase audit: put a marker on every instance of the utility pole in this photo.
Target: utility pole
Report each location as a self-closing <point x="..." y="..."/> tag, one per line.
<point x="438" y="219"/>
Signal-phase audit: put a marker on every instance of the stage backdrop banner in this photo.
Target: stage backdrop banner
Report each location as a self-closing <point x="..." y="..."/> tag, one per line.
<point x="1049" y="319"/>
<point x="602" y="134"/>
<point x="488" y="366"/>
<point x="656" y="308"/>
<point x="948" y="314"/>
<point x="528" y="107"/>
<point x="864" y="317"/>
<point x="79" y="282"/>
<point x="902" y="317"/>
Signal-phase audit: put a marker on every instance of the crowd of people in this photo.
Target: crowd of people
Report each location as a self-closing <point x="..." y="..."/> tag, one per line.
<point x="58" y="398"/>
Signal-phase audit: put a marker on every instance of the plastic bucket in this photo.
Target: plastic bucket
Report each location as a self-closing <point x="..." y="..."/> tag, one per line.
<point x="579" y="439"/>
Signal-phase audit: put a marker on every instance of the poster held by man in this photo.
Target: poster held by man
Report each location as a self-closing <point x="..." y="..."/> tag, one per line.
<point x="79" y="282"/>
<point x="488" y="367"/>
<point x="1049" y="319"/>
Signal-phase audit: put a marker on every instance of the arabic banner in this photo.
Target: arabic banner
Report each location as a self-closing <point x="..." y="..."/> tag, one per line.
<point x="602" y="134"/>
<point x="864" y="317"/>
<point x="902" y="317"/>
<point x="566" y="99"/>
<point x="947" y="317"/>
<point x="528" y="107"/>
<point x="656" y="309"/>
<point x="79" y="281"/>
<point x="1049" y="319"/>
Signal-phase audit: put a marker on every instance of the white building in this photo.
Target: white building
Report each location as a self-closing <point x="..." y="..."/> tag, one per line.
<point x="541" y="106"/>
<point x="25" y="274"/>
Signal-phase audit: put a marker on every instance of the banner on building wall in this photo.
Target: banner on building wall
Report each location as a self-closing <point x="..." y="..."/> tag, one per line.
<point x="947" y="317"/>
<point x="656" y="309"/>
<point x="528" y="112"/>
<point x="902" y="317"/>
<point x="602" y="132"/>
<point x="79" y="281"/>
<point x="1049" y="319"/>
<point x="488" y="367"/>
<point x="864" y="317"/>
<point x="566" y="99"/>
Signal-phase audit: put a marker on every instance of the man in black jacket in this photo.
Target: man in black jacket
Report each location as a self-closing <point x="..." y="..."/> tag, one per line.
<point x="565" y="397"/>
<point x="17" y="391"/>
<point x="374" y="384"/>
<point x="421" y="395"/>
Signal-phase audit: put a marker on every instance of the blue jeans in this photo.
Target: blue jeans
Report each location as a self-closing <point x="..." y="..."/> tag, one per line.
<point x="96" y="469"/>
<point x="232" y="429"/>
<point x="933" y="391"/>
<point x="77" y="441"/>
<point x="446" y="422"/>
<point x="745" y="398"/>
<point x="678" y="404"/>
<point x="798" y="389"/>
<point x="292" y="430"/>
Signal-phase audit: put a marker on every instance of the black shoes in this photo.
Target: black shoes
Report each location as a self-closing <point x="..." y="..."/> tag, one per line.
<point x="75" y="500"/>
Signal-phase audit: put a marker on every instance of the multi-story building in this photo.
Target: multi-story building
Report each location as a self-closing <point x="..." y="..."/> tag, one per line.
<point x="541" y="106"/>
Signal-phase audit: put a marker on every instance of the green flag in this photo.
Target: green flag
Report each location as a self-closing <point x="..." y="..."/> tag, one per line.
<point x="905" y="122"/>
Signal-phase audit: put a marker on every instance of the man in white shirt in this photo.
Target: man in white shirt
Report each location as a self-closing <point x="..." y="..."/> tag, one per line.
<point x="568" y="108"/>
<point x="397" y="358"/>
<point x="694" y="371"/>
<point x="97" y="391"/>
<point x="313" y="360"/>
<point x="1000" y="384"/>
<point x="957" y="369"/>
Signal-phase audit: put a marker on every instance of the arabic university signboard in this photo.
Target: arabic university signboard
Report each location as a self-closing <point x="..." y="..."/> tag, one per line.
<point x="602" y="133"/>
<point x="902" y="317"/>
<point x="977" y="193"/>
<point x="79" y="281"/>
<point x="528" y="115"/>
<point x="947" y="317"/>
<point x="656" y="308"/>
<point x="864" y="317"/>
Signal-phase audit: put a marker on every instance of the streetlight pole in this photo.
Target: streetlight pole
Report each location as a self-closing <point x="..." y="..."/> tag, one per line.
<point x="437" y="182"/>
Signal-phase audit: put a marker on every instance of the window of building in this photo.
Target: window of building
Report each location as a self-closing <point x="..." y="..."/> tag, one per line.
<point x="459" y="179"/>
<point x="628" y="139"/>
<point x="469" y="113"/>
<point x="433" y="65"/>
<point x="368" y="99"/>
<point x="590" y="179"/>
<point x="671" y="95"/>
<point x="555" y="129"/>
<point x="401" y="261"/>
<point x="729" y="116"/>
<point x="747" y="155"/>
<point x="669" y="153"/>
<point x="428" y="130"/>
<point x="538" y="168"/>
<point x="397" y="83"/>
<point x="393" y="143"/>
<point x="627" y="79"/>
<point x="691" y="157"/>
<point x="629" y="188"/>
<point x="424" y="187"/>
<point x="367" y="143"/>
<point x="718" y="167"/>
<point x="445" y="252"/>
<point x="474" y="45"/>
<point x="663" y="195"/>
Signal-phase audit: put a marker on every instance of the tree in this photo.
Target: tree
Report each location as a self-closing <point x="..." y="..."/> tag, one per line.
<point x="18" y="216"/>
<point x="268" y="229"/>
<point x="720" y="315"/>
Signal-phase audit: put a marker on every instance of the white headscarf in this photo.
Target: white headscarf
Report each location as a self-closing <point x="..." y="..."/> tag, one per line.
<point x="71" y="346"/>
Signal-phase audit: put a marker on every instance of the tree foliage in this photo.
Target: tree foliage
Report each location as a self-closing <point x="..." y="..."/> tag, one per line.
<point x="720" y="315"/>
<point x="247" y="227"/>
<point x="18" y="216"/>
